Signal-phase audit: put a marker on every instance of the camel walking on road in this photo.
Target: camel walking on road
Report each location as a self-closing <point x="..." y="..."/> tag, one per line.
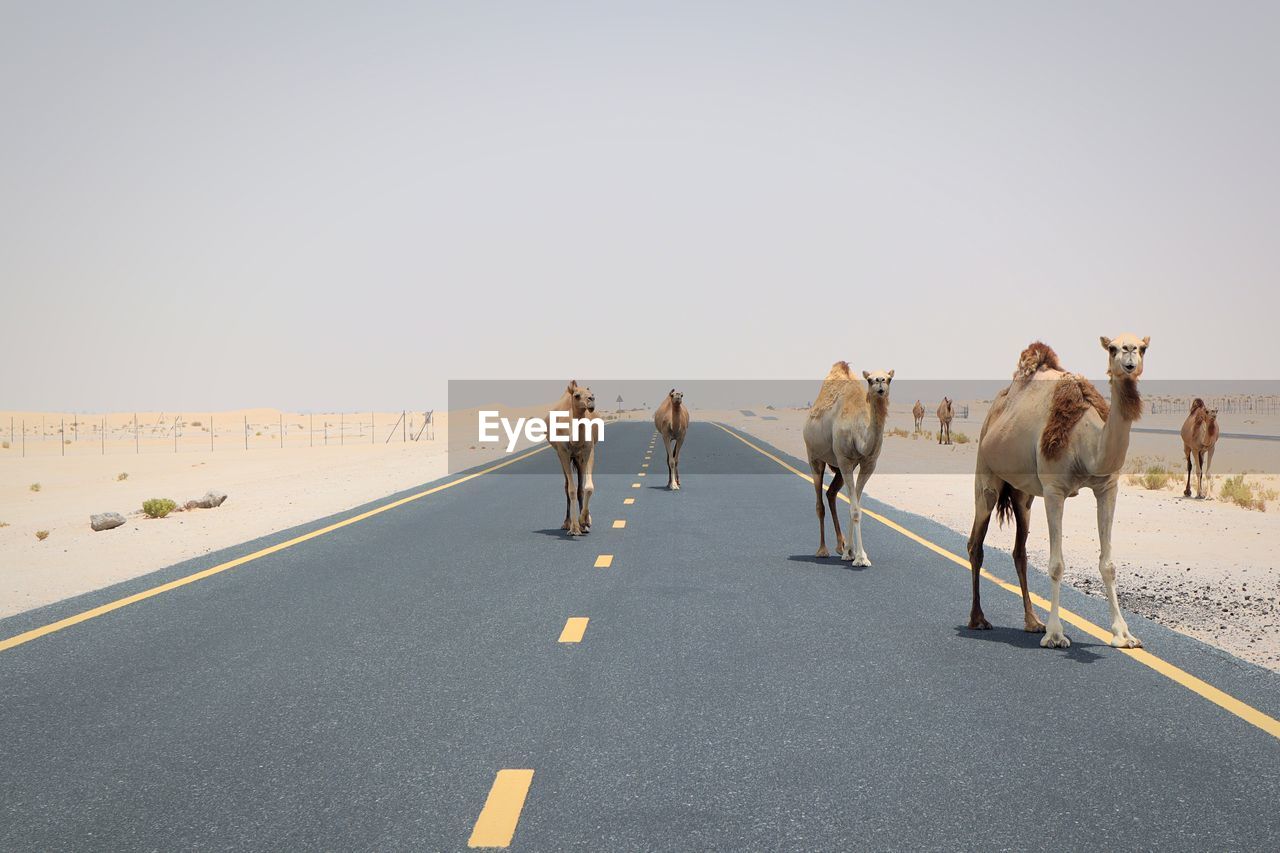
<point x="1050" y="433"/>
<point x="1199" y="437"/>
<point x="945" y="413"/>
<point x="577" y="456"/>
<point x="844" y="431"/>
<point x="672" y="422"/>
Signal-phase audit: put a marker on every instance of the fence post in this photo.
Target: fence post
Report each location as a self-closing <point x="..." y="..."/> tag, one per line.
<point x="176" y="422"/>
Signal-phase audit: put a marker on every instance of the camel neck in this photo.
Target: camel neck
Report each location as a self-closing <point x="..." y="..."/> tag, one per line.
<point x="1126" y="407"/>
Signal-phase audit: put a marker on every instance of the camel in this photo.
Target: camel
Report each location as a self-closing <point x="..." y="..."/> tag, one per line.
<point x="1199" y="436"/>
<point x="917" y="412"/>
<point x="579" y="456"/>
<point x="945" y="413"/>
<point x="844" y="431"/>
<point x="1050" y="433"/>
<point x="672" y="422"/>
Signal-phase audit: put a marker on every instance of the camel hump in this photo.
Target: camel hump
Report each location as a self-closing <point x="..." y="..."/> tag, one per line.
<point x="838" y="381"/>
<point x="1072" y="397"/>
<point x="840" y="370"/>
<point x="1197" y="403"/>
<point x="1036" y="357"/>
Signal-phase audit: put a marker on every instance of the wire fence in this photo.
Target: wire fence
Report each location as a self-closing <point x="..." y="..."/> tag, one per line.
<point x="160" y="432"/>
<point x="1233" y="404"/>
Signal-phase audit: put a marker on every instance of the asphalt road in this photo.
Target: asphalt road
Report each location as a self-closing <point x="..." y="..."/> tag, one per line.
<point x="361" y="690"/>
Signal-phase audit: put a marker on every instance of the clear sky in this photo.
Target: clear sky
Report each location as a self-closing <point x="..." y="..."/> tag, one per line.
<point x="341" y="205"/>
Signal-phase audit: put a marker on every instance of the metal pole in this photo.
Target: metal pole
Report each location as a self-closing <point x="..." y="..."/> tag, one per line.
<point x="176" y="422"/>
<point x="62" y="435"/>
<point x="75" y="429"/>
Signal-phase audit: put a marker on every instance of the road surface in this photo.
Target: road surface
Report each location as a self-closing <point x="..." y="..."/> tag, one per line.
<point x="373" y="686"/>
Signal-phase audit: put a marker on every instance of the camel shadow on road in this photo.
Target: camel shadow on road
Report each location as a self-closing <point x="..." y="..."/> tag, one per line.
<point x="1079" y="652"/>
<point x="832" y="562"/>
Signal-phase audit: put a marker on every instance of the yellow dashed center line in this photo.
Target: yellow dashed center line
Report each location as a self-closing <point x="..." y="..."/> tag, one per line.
<point x="604" y="561"/>
<point x="574" y="628"/>
<point x="635" y="485"/>
<point x="496" y="825"/>
<point x="620" y="523"/>
<point x="641" y="474"/>
<point x="629" y="501"/>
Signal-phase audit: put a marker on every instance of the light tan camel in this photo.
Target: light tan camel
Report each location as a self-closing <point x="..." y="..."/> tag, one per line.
<point x="844" y="431"/>
<point x="672" y="421"/>
<point x="1199" y="436"/>
<point x="917" y="412"/>
<point x="577" y="456"/>
<point x="1050" y="433"/>
<point x="945" y="413"/>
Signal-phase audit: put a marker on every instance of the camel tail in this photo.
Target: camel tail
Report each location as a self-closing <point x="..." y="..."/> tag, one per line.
<point x="1004" y="504"/>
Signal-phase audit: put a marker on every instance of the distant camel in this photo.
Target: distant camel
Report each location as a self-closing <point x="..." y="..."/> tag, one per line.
<point x="1199" y="435"/>
<point x="917" y="412"/>
<point x="844" y="431"/>
<point x="1051" y="433"/>
<point x="945" y="413"/>
<point x="672" y="421"/>
<point x="577" y="456"/>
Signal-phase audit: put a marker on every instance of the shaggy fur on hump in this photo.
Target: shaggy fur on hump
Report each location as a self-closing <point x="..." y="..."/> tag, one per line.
<point x="1072" y="397"/>
<point x="832" y="387"/>
<point x="1036" y="357"/>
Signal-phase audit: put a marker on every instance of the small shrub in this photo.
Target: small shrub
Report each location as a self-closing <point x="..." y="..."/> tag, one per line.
<point x="1241" y="492"/>
<point x="1154" y="476"/>
<point x="901" y="433"/>
<point x="122" y="476"/>
<point x="197" y="423"/>
<point x="42" y="535"/>
<point x="158" y="507"/>
<point x="4" y="524"/>
<point x="35" y="487"/>
<point x="4" y="444"/>
<point x="259" y="432"/>
<point x="960" y="438"/>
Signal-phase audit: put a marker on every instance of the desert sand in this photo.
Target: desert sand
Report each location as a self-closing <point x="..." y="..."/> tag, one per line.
<point x="1207" y="568"/>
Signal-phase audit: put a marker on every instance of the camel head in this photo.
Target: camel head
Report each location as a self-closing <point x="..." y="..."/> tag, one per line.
<point x="677" y="397"/>
<point x="878" y="382"/>
<point x="1126" y="353"/>
<point x="584" y="400"/>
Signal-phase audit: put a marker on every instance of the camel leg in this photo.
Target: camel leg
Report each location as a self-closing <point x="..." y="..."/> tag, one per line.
<point x="1054" y="502"/>
<point x="1208" y="469"/>
<point x="1022" y="517"/>
<point x="586" y="487"/>
<point x="1120" y="636"/>
<point x="837" y="482"/>
<point x="1200" y="474"/>
<point x="671" y="462"/>
<point x="675" y="456"/>
<point x="985" y="491"/>
<point x="571" y="495"/>
<point x="818" y="467"/>
<point x="855" y="514"/>
<point x="864" y="473"/>
<point x="1186" y="493"/>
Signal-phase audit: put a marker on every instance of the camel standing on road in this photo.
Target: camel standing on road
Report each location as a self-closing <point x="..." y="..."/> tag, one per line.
<point x="672" y="422"/>
<point x="917" y="412"/>
<point x="1199" y="436"/>
<point x="945" y="413"/>
<point x="577" y="457"/>
<point x="1050" y="433"/>
<point x="844" y="431"/>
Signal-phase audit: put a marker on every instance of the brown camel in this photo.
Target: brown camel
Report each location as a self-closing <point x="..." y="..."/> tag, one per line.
<point x="1050" y="433"/>
<point x="844" y="431"/>
<point x="1199" y="436"/>
<point x="672" y="421"/>
<point x="917" y="412"/>
<point x="577" y="455"/>
<point x="945" y="413"/>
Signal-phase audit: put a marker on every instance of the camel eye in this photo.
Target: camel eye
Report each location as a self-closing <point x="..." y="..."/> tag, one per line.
<point x="1113" y="351"/>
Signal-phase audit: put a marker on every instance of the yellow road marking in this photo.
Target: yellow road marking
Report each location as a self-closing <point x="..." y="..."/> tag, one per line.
<point x="635" y="485"/>
<point x="496" y="825"/>
<point x="574" y="628"/>
<point x="645" y="465"/>
<point x="36" y="633"/>
<point x="604" y="561"/>
<point x="641" y="474"/>
<point x="1227" y="702"/>
<point x="629" y="501"/>
<point x="619" y="523"/>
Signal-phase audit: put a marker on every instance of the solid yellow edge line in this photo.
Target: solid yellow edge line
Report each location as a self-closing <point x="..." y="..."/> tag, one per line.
<point x="496" y="825"/>
<point x="36" y="633"/>
<point x="1227" y="702"/>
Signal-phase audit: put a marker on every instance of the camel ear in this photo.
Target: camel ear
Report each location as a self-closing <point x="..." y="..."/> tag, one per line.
<point x="1146" y="342"/>
<point x="890" y="374"/>
<point x="1106" y="342"/>
<point x="866" y="375"/>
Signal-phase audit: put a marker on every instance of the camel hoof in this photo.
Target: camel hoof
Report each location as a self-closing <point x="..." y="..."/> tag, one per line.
<point x="846" y="554"/>
<point x="565" y="526"/>
<point x="675" y="487"/>
<point x="823" y="552"/>
<point x="862" y="560"/>
<point x="1055" y="641"/>
<point x="1187" y="493"/>
<point x="1125" y="641"/>
<point x="979" y="623"/>
<point x="1036" y="627"/>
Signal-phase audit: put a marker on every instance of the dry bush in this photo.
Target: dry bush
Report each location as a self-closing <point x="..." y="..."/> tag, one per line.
<point x="901" y="433"/>
<point x="42" y="535"/>
<point x="35" y="487"/>
<point x="4" y="444"/>
<point x="122" y="476"/>
<point x="960" y="438"/>
<point x="4" y="524"/>
<point x="1241" y="492"/>
<point x="158" y="507"/>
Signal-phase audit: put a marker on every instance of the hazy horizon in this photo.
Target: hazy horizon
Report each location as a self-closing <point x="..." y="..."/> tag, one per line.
<point x="342" y="207"/>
